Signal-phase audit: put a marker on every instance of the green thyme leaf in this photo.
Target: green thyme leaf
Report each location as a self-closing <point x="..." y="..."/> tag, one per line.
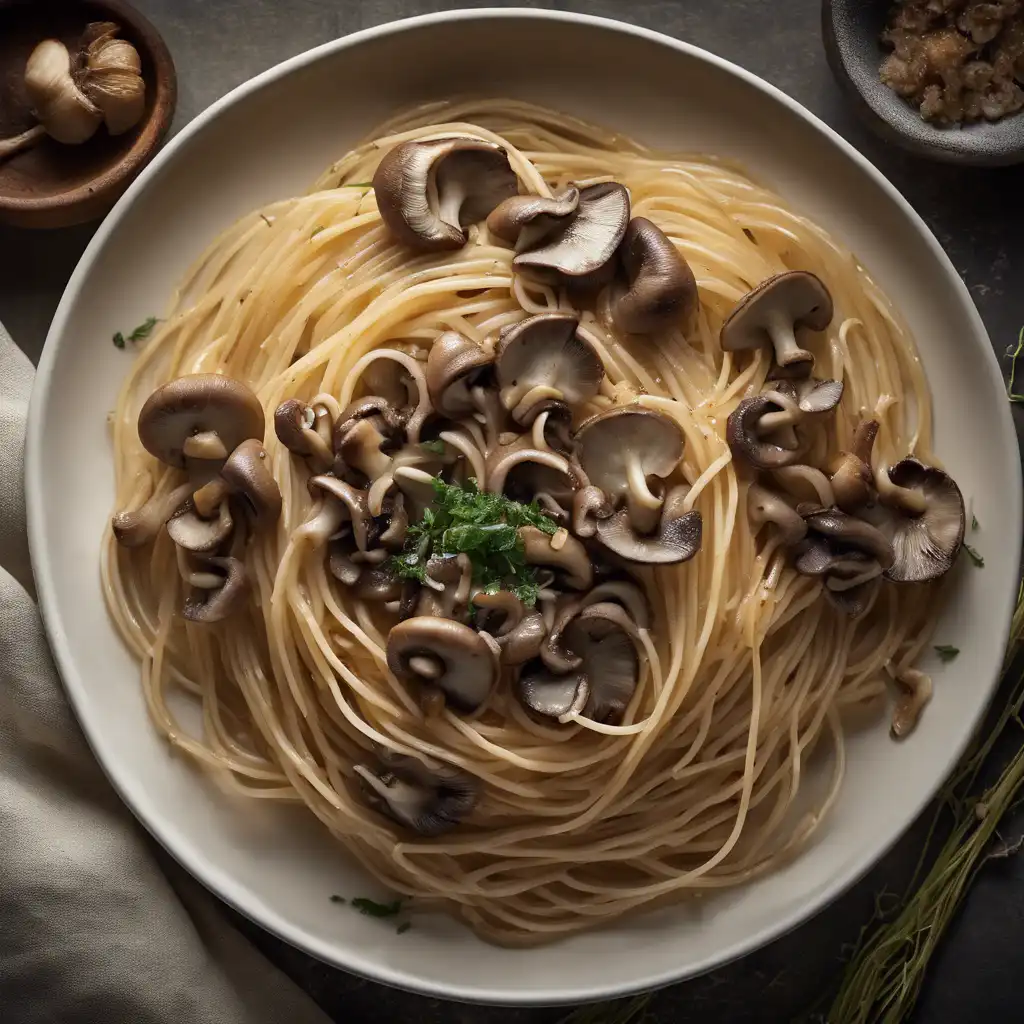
<point x="144" y="330"/>
<point x="371" y="908"/>
<point x="946" y="652"/>
<point x="974" y="556"/>
<point x="357" y="184"/>
<point x="118" y="340"/>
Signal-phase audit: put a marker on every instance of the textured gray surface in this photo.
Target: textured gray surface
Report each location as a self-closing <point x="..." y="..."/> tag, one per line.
<point x="977" y="215"/>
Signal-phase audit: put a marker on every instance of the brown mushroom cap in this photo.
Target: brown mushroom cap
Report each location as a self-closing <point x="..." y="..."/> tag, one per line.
<point x="678" y="537"/>
<point x="428" y="191"/>
<point x="571" y="557"/>
<point x="771" y="313"/>
<point x="247" y="473"/>
<point x="588" y="241"/>
<point x="765" y="506"/>
<point x="203" y="403"/>
<point x="133" y="529"/>
<point x="352" y="505"/>
<point x="467" y="664"/>
<point x="545" y="352"/>
<point x="528" y="220"/>
<point x="661" y="291"/>
<point x="839" y="527"/>
<point x="452" y="363"/>
<point x="746" y="444"/>
<point x="208" y="606"/>
<point x="295" y="426"/>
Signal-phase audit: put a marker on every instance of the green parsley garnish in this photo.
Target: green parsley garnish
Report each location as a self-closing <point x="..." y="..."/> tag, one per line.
<point x="436" y="446"/>
<point x="358" y="184"/>
<point x="974" y="556"/>
<point x="144" y="330"/>
<point x="371" y="908"/>
<point x="481" y="525"/>
<point x="946" y="652"/>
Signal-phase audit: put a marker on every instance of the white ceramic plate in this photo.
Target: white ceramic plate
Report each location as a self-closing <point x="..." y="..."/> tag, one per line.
<point x="269" y="139"/>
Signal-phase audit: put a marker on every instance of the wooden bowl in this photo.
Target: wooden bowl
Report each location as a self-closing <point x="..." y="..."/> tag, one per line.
<point x="51" y="185"/>
<point x="852" y="30"/>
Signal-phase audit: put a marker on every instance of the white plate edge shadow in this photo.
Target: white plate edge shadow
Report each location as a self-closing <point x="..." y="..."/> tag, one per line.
<point x="213" y="877"/>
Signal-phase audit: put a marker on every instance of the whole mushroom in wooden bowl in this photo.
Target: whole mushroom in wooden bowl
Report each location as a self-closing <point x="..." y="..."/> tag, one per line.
<point x="87" y="93"/>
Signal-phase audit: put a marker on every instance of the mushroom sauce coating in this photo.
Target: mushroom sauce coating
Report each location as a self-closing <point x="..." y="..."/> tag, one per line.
<point x="523" y="493"/>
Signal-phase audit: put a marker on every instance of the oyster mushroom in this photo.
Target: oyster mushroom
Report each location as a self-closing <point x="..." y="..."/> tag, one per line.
<point x="295" y="425"/>
<point x="660" y="290"/>
<point x="772" y="312"/>
<point x="429" y="191"/>
<point x="205" y="415"/>
<point x="589" y="504"/>
<point x="543" y="357"/>
<point x="839" y="528"/>
<point x="621" y="449"/>
<point x="554" y="696"/>
<point x="447" y="585"/>
<point x="348" y="504"/>
<point x="133" y="529"/>
<point x="625" y="592"/>
<point x="192" y="532"/>
<point x="850" y="472"/>
<point x="745" y="441"/>
<point x="427" y="800"/>
<point x="444" y="654"/>
<point x="765" y="506"/>
<point x="528" y="220"/>
<point x="209" y="605"/>
<point x="377" y="584"/>
<point x="519" y="633"/>
<point x="519" y="467"/>
<point x="454" y="364"/>
<point x="677" y="538"/>
<point x="586" y="242"/>
<point x="570" y="557"/>
<point x="925" y="545"/>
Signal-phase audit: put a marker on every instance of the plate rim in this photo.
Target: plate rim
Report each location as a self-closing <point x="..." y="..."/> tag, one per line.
<point x="219" y="882"/>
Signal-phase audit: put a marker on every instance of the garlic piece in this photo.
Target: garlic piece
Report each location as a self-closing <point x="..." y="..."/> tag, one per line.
<point x="111" y="77"/>
<point x="64" y="111"/>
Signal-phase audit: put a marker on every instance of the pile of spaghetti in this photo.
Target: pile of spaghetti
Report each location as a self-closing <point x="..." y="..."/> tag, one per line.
<point x="598" y="493"/>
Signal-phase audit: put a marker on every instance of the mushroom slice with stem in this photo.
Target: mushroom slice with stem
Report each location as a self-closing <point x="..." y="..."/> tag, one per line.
<point x="463" y="664"/>
<point x="621" y="449"/>
<point x="340" y="564"/>
<point x="220" y="411"/>
<point x="352" y="506"/>
<point x="588" y="240"/>
<point x="429" y="191"/>
<point x="447" y="585"/>
<point x="192" y="532"/>
<point x="247" y="474"/>
<point x="377" y="584"/>
<point x="427" y="800"/>
<point x="521" y="471"/>
<point x="925" y="545"/>
<point x="133" y="529"/>
<point x="454" y="364"/>
<point x="850" y="472"/>
<point x="589" y="504"/>
<point x="209" y="605"/>
<point x="677" y="539"/>
<point x="528" y="220"/>
<point x="295" y="425"/>
<point x="772" y="312"/>
<point x="838" y="527"/>
<point x="570" y="557"/>
<point x="660" y="290"/>
<point x="625" y="592"/>
<point x="745" y="442"/>
<point x="519" y="634"/>
<point x="611" y="664"/>
<point x="554" y="652"/>
<point x="765" y="506"/>
<point x="543" y="357"/>
<point x="554" y="696"/>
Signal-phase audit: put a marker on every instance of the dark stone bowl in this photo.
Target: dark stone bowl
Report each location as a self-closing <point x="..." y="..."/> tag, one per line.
<point x="851" y="30"/>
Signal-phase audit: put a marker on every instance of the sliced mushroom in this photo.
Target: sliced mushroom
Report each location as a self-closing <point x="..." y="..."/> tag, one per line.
<point x="621" y="449"/>
<point x="352" y="506"/>
<point x="915" y="691"/>
<point x="628" y="594"/>
<point x="377" y="584"/>
<point x="295" y="424"/>
<point x="745" y="441"/>
<point x="554" y="696"/>
<point x="247" y="474"/>
<point x="519" y="633"/>
<point x="133" y="529"/>
<point x="389" y="420"/>
<point x="677" y="538"/>
<point x="447" y="585"/>
<point x="361" y="448"/>
<point x="773" y="311"/>
<point x="529" y="220"/>
<point x="543" y="357"/>
<point x="454" y="363"/>
<point x="193" y="533"/>
<point x="925" y="546"/>
<point x="661" y="291"/>
<point x="220" y="410"/>
<point x="430" y="801"/>
<point x="554" y="652"/>
<point x="588" y="505"/>
<point x="467" y="668"/>
<point x="570" y="557"/>
<point x="840" y="528"/>
<point x="340" y="564"/>
<point x="522" y="472"/>
<point x="209" y="605"/>
<point x="588" y="241"/>
<point x="396" y="526"/>
<point x="429" y="191"/>
<point x="850" y="471"/>
<point x="765" y="506"/>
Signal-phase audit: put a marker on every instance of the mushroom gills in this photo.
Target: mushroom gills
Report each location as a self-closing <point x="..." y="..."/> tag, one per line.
<point x="551" y="695"/>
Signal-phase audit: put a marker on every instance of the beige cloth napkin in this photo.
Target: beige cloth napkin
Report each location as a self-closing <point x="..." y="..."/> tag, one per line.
<point x="93" y="930"/>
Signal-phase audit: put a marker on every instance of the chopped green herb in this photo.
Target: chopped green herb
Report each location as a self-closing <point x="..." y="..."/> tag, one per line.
<point x="358" y="184"/>
<point x="403" y="927"/>
<point x="335" y="898"/>
<point x="436" y="446"/>
<point x="1014" y="355"/>
<point x="946" y="652"/>
<point x="144" y="330"/>
<point x="481" y="525"/>
<point x="371" y="908"/>
<point x="119" y="340"/>
<point x="974" y="556"/>
<point x="974" y="522"/>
